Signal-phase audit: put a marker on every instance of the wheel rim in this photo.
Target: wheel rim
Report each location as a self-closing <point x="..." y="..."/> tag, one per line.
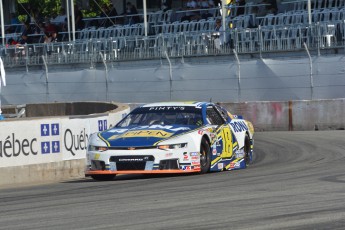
<point x="203" y="157"/>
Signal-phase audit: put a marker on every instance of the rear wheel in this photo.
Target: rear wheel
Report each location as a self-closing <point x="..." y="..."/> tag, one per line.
<point x="103" y="177"/>
<point x="205" y="159"/>
<point x="246" y="156"/>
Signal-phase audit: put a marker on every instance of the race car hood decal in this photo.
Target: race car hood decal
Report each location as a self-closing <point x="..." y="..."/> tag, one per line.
<point x="142" y="136"/>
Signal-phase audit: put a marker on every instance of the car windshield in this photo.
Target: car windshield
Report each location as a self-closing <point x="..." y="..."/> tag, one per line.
<point x="163" y="115"/>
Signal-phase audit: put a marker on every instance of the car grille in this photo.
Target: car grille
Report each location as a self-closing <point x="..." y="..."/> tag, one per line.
<point x="131" y="162"/>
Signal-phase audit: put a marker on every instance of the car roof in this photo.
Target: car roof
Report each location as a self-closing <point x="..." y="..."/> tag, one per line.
<point x="177" y="103"/>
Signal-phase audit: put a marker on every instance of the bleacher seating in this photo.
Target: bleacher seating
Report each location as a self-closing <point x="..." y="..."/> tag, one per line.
<point x="284" y="31"/>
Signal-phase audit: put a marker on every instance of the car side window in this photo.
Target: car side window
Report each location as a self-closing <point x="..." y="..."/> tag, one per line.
<point x="214" y="117"/>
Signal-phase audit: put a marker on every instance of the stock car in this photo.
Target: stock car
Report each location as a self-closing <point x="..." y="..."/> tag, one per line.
<point x="171" y="137"/>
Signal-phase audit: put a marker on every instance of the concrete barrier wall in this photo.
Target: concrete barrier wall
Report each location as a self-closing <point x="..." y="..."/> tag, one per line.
<point x="41" y="149"/>
<point x="292" y="115"/>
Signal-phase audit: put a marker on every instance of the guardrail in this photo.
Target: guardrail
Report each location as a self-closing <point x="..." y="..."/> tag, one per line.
<point x="324" y="35"/>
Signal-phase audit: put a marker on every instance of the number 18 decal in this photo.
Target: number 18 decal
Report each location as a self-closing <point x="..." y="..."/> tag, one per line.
<point x="224" y="134"/>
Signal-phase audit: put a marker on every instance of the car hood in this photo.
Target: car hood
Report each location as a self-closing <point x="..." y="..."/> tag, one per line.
<point x="142" y="136"/>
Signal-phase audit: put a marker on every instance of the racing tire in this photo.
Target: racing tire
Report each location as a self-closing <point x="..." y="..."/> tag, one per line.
<point x="246" y="156"/>
<point x="103" y="177"/>
<point x="205" y="156"/>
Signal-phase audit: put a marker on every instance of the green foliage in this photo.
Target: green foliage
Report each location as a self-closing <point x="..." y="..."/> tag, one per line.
<point x="51" y="8"/>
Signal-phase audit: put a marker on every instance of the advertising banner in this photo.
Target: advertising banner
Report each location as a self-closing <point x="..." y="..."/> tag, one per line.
<point x="30" y="142"/>
<point x="36" y="141"/>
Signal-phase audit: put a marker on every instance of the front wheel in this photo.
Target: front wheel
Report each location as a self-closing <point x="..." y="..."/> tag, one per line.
<point x="103" y="177"/>
<point x="205" y="159"/>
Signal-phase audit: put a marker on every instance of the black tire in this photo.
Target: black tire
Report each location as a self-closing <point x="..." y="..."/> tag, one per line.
<point x="205" y="156"/>
<point x="246" y="156"/>
<point x="103" y="177"/>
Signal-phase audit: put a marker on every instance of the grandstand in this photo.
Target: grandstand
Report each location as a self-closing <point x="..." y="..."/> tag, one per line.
<point x="256" y="56"/>
<point x="288" y="30"/>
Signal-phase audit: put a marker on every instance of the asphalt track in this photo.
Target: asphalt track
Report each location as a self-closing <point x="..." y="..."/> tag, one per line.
<point x="296" y="182"/>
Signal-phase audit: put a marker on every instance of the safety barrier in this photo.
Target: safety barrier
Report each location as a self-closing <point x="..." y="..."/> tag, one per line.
<point x="43" y="147"/>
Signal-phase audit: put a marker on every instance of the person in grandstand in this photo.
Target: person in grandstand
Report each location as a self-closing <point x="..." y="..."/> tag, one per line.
<point x="79" y="23"/>
<point x="132" y="10"/>
<point x="240" y="7"/>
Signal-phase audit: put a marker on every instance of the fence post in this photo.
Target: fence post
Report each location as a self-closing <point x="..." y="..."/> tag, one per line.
<point x="46" y="71"/>
<point x="170" y="72"/>
<point x="238" y="74"/>
<point x="106" y="75"/>
<point x="311" y="71"/>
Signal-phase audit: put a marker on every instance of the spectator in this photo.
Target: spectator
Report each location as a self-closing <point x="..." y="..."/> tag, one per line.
<point x="272" y="7"/>
<point x="61" y="19"/>
<point x="79" y="23"/>
<point x="14" y="19"/>
<point x="49" y="28"/>
<point x="166" y="5"/>
<point x="24" y="38"/>
<point x="49" y="38"/>
<point x="131" y="10"/>
<point x="109" y="14"/>
<point x="240" y="7"/>
<point x="218" y="25"/>
<point x="190" y="15"/>
<point x="217" y="36"/>
<point x="14" y="23"/>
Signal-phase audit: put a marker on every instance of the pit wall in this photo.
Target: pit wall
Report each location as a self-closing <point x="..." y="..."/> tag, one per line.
<point x="42" y="149"/>
<point x="292" y="115"/>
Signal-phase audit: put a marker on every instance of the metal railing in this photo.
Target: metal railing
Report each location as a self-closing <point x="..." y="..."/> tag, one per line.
<point x="324" y="35"/>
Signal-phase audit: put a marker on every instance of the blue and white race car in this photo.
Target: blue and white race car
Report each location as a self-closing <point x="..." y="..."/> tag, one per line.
<point x="171" y="137"/>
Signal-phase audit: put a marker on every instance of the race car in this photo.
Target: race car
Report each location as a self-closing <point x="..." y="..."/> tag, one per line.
<point x="171" y="137"/>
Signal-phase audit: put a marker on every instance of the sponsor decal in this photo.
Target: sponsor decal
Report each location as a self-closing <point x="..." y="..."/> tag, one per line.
<point x="119" y="131"/>
<point x="195" y="162"/>
<point x="239" y="126"/>
<point x="194" y="154"/>
<point x="239" y="153"/>
<point x="112" y="166"/>
<point x="147" y="133"/>
<point x="197" y="167"/>
<point x="168" y="154"/>
<point x="214" y="152"/>
<point x="169" y="127"/>
<point x="13" y="147"/>
<point x="220" y="165"/>
<point x="200" y="132"/>
<point x="96" y="156"/>
<point x="186" y="167"/>
<point x="102" y="125"/>
<point x="130" y="159"/>
<point x="235" y="165"/>
<point x="195" y="157"/>
<point x="167" y="108"/>
<point x="185" y="156"/>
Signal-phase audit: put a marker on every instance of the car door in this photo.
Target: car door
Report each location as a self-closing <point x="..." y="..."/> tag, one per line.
<point x="223" y="131"/>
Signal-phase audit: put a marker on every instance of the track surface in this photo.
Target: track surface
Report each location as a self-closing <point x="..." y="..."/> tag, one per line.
<point x="296" y="182"/>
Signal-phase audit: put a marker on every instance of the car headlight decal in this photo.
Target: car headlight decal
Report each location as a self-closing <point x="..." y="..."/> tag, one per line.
<point x="97" y="148"/>
<point x="173" y="146"/>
